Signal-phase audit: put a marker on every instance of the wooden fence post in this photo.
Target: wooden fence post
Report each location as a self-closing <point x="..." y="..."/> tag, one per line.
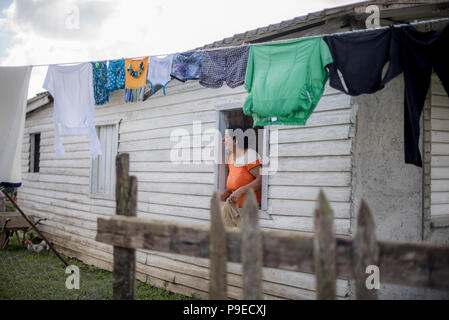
<point x="217" y="253"/>
<point x="124" y="285"/>
<point x="324" y="250"/>
<point x="251" y="249"/>
<point x="366" y="252"/>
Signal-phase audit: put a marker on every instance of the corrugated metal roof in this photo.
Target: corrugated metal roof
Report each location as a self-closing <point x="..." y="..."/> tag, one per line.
<point x="301" y="22"/>
<point x="252" y="35"/>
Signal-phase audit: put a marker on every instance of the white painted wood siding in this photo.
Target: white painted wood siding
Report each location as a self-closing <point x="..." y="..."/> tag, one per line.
<point x="311" y="157"/>
<point x="439" y="149"/>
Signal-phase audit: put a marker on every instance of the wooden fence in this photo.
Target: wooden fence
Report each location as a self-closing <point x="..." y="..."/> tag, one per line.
<point x="327" y="256"/>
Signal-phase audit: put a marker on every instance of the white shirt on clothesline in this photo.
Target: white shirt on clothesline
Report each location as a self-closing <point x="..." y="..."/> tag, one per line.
<point x="74" y="104"/>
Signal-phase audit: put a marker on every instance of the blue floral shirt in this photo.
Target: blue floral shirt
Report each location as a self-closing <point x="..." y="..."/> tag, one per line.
<point x="116" y="75"/>
<point x="99" y="72"/>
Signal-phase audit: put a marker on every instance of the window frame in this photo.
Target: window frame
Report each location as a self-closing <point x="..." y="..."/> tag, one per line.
<point x="220" y="170"/>
<point x="427" y="121"/>
<point x="32" y="153"/>
<point x="116" y="141"/>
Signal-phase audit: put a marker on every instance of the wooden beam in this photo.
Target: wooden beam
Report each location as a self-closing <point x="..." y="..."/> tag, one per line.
<point x="324" y="250"/>
<point x="251" y="249"/>
<point x="414" y="264"/>
<point x="366" y="252"/>
<point x="217" y="253"/>
<point x="124" y="271"/>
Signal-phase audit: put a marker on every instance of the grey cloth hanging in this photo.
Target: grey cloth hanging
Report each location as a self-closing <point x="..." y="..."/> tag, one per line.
<point x="224" y="65"/>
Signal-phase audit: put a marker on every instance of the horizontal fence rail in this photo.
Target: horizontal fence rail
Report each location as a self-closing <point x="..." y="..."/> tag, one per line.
<point x="324" y="254"/>
<point x="414" y="264"/>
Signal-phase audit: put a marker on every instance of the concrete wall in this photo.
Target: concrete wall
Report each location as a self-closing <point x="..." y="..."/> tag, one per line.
<point x="392" y="189"/>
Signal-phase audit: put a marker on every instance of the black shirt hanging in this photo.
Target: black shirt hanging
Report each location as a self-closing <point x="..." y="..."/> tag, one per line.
<point x="361" y="57"/>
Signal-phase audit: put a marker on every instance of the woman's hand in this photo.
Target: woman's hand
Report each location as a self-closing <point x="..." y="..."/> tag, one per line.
<point x="225" y="195"/>
<point x="234" y="197"/>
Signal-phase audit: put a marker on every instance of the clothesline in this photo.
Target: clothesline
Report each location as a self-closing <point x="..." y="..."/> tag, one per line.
<point x="285" y="95"/>
<point x="278" y="41"/>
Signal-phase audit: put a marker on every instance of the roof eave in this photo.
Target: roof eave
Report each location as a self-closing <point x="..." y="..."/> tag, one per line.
<point x="39" y="101"/>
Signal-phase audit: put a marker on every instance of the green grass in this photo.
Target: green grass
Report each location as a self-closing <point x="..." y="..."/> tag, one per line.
<point x="28" y="276"/>
<point x="9" y="206"/>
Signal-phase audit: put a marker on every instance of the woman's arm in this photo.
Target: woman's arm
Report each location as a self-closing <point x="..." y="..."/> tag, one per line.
<point x="225" y="195"/>
<point x="255" y="184"/>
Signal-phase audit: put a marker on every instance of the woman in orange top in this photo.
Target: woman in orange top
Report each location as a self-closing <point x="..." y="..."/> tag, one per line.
<point x="244" y="170"/>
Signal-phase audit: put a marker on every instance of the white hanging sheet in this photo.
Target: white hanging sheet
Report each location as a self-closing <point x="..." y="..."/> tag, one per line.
<point x="13" y="97"/>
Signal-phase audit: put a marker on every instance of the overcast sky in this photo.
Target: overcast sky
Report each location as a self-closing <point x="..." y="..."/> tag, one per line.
<point x="55" y="31"/>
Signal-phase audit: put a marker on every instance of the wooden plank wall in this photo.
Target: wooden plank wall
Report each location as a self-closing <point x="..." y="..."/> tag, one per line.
<point x="439" y="149"/>
<point x="315" y="156"/>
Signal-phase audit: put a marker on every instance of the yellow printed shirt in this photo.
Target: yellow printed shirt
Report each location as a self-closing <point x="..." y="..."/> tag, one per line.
<point x="130" y="81"/>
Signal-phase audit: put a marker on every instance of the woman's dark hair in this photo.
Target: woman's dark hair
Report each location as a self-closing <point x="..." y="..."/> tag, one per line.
<point x="243" y="128"/>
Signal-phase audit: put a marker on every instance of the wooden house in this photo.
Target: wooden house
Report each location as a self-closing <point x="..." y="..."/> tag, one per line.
<point x="351" y="147"/>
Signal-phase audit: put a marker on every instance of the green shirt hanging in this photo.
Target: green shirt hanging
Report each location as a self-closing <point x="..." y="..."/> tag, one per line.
<point x="285" y="81"/>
